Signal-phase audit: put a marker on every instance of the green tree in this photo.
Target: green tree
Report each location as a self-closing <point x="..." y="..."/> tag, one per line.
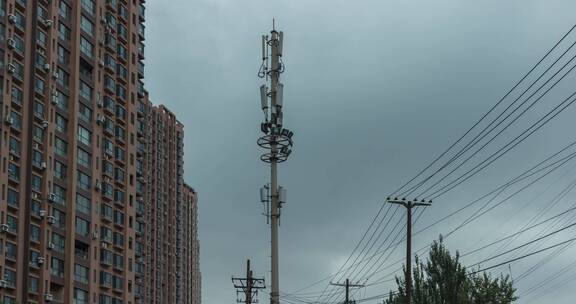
<point x="443" y="280"/>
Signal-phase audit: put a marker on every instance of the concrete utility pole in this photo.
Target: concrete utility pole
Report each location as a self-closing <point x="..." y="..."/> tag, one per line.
<point x="277" y="140"/>
<point x="408" y="205"/>
<point x="248" y="286"/>
<point x="347" y="285"/>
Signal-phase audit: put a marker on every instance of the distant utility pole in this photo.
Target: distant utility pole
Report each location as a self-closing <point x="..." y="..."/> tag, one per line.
<point x="408" y="205"/>
<point x="347" y="286"/>
<point x="276" y="140"/>
<point x="248" y="286"/>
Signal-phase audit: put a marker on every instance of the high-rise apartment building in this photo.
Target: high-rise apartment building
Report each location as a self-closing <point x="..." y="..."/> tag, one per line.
<point x="72" y="160"/>
<point x="169" y="231"/>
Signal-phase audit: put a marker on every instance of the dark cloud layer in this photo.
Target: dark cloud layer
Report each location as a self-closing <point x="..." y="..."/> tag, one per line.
<point x="373" y="91"/>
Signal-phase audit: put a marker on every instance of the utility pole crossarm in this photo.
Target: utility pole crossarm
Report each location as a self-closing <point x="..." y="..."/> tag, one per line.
<point x="347" y="285"/>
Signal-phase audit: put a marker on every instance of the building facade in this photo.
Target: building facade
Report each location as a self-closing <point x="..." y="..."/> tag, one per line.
<point x="169" y="226"/>
<point x="75" y="160"/>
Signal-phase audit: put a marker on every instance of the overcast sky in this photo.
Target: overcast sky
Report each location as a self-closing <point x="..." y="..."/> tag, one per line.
<point x="374" y="90"/>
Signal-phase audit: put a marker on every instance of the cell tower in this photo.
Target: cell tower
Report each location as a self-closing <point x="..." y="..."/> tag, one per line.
<point x="277" y="141"/>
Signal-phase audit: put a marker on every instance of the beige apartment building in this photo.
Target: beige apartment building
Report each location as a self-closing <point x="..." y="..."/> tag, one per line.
<point x="93" y="204"/>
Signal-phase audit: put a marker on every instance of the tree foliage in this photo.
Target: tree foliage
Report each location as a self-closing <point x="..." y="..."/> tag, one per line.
<point x="443" y="280"/>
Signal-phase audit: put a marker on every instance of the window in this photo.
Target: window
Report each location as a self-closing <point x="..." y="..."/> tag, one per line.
<point x="118" y="218"/>
<point x="120" y="154"/>
<point x="80" y="296"/>
<point x="62" y="100"/>
<point x="64" y="10"/>
<point x="84" y="113"/>
<point x="41" y="38"/>
<point x="117" y="282"/>
<point x="36" y="183"/>
<point x="122" y="52"/>
<point x="119" y="196"/>
<point x="40" y="61"/>
<point x="37" y="158"/>
<point x="34" y="255"/>
<point x="63" y="55"/>
<point x="14" y="172"/>
<point x="39" y="85"/>
<point x="34" y="233"/>
<point x="12" y="223"/>
<point x="119" y="174"/>
<point x="59" y="244"/>
<point x="107" y="168"/>
<point x="105" y="299"/>
<point x="60" y="195"/>
<point x="39" y="109"/>
<point x="122" y="31"/>
<point x="13" y="198"/>
<point x="57" y="267"/>
<point x="19" y="70"/>
<point x="11" y="251"/>
<point x="33" y="284"/>
<point x="19" y="45"/>
<point x="84" y="158"/>
<point x="38" y="133"/>
<point x="64" y="32"/>
<point x="86" y="47"/>
<point x="106" y="257"/>
<point x="106" y="234"/>
<point x="63" y="78"/>
<point x="59" y="218"/>
<point x="120" y="133"/>
<point x="82" y="204"/>
<point x="59" y="170"/>
<point x="17" y="95"/>
<point x="10" y="277"/>
<point x="106" y="211"/>
<point x="121" y="92"/>
<point x="109" y="61"/>
<point x="89" y="6"/>
<point x="35" y="208"/>
<point x="122" y="72"/>
<point x="109" y="83"/>
<point x="20" y="20"/>
<point x="15" y="146"/>
<point x="83" y="181"/>
<point x="118" y="261"/>
<point x="16" y="120"/>
<point x="87" y="25"/>
<point x="120" y="112"/>
<point x="60" y="146"/>
<point x="85" y="91"/>
<point x="82" y="227"/>
<point x="84" y="136"/>
<point x="107" y="146"/>
<point x="118" y="239"/>
<point x="61" y="123"/>
<point x="81" y="274"/>
<point x="105" y="279"/>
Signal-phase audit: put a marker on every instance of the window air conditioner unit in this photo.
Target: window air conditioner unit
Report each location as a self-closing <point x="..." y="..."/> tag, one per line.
<point x="48" y="22"/>
<point x="40" y="260"/>
<point x="55" y="100"/>
<point x="52" y="197"/>
<point x="11" y="68"/>
<point x="36" y="146"/>
<point x="11" y="43"/>
<point x="43" y="165"/>
<point x="95" y="235"/>
<point x="48" y="297"/>
<point x="12" y="18"/>
<point x="55" y="75"/>
<point x="4" y="227"/>
<point x="3" y="284"/>
<point x="42" y="213"/>
<point x="9" y="119"/>
<point x="47" y="67"/>
<point x="51" y="245"/>
<point x="34" y="195"/>
<point x="50" y="219"/>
